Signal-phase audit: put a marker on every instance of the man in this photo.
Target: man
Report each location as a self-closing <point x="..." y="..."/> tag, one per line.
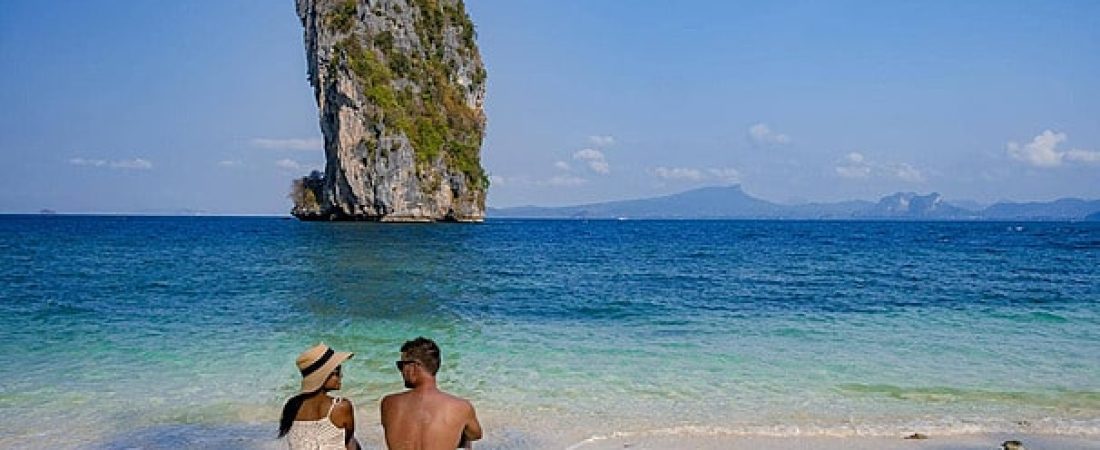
<point x="424" y="417"/>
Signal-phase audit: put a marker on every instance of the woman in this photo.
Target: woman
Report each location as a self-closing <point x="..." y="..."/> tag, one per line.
<point x="313" y="420"/>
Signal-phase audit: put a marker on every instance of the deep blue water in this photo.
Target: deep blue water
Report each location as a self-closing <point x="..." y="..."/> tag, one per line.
<point x="556" y="326"/>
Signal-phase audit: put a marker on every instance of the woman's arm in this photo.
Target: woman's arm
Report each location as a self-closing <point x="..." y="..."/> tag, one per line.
<point x="343" y="416"/>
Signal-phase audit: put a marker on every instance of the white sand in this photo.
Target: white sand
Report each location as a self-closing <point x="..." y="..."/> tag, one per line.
<point x="957" y="442"/>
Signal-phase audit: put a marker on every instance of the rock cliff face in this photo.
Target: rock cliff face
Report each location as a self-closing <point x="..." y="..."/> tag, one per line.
<point x="400" y="87"/>
<point x="912" y="205"/>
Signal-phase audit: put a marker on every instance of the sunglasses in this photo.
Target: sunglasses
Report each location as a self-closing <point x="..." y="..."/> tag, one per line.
<point x="336" y="373"/>
<point x="402" y="363"/>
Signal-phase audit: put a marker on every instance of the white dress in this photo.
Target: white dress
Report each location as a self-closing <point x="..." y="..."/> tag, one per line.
<point x="319" y="434"/>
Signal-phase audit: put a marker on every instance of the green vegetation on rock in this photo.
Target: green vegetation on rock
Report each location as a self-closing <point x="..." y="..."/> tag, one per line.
<point x="436" y="120"/>
<point x="343" y="17"/>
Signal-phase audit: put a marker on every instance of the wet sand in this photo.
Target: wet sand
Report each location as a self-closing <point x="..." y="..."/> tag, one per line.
<point x="958" y="442"/>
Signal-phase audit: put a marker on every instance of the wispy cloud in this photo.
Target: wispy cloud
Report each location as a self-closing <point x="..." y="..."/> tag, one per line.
<point x="566" y="180"/>
<point x="1043" y="151"/>
<point x="602" y="141"/>
<point x="905" y="172"/>
<point x="761" y="135"/>
<point x="562" y="165"/>
<point x="124" y="164"/>
<point x="727" y="175"/>
<point x="1085" y="156"/>
<point x="290" y="164"/>
<point x="678" y="173"/>
<point x="854" y="166"/>
<point x="230" y="163"/>
<point x="595" y="160"/>
<point x="308" y="144"/>
<point x="724" y="175"/>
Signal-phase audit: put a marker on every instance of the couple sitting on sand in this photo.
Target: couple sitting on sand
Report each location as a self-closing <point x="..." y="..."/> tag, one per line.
<point x="421" y="418"/>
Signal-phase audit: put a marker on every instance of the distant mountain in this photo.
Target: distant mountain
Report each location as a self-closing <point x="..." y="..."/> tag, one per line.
<point x="969" y="205"/>
<point x="730" y="202"/>
<point x="703" y="203"/>
<point x="1061" y="209"/>
<point x="913" y="206"/>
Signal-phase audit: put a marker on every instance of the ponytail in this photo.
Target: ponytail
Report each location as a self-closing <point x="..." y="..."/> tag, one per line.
<point x="290" y="411"/>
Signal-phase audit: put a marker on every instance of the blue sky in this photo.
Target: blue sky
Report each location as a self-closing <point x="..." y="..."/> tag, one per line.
<point x="136" y="106"/>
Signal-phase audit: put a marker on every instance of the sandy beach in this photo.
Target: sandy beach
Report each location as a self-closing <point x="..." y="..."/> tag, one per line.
<point x="258" y="436"/>
<point x="960" y="442"/>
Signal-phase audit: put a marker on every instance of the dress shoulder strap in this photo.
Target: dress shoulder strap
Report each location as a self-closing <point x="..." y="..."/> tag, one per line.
<point x="330" y="408"/>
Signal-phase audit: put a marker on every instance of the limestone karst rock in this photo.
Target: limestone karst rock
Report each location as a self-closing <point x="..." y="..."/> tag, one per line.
<point x="399" y="86"/>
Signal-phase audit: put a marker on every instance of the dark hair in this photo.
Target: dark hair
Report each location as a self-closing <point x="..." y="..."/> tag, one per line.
<point x="290" y="411"/>
<point x="425" y="351"/>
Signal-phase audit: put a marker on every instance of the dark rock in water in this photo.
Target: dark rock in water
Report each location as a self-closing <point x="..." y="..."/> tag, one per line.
<point x="1013" y="445"/>
<point x="917" y="436"/>
<point x="400" y="86"/>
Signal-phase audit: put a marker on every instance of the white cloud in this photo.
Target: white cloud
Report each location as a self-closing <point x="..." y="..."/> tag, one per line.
<point x="511" y="180"/>
<point x="602" y="141"/>
<point x="678" y="173"/>
<point x="562" y="165"/>
<point x="1043" y="151"/>
<point x="230" y="163"/>
<point x="726" y="175"/>
<point x="905" y="172"/>
<point x="88" y="162"/>
<point x="137" y="164"/>
<point x="595" y="160"/>
<point x="125" y="164"/>
<point x="290" y="164"/>
<point x="761" y="135"/>
<point x="1085" y="156"/>
<point x="723" y="175"/>
<point x="566" y="180"/>
<point x="855" y="165"/>
<point x="310" y="144"/>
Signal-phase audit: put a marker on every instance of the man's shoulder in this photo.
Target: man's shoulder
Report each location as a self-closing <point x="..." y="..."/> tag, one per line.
<point x="456" y="401"/>
<point x="390" y="398"/>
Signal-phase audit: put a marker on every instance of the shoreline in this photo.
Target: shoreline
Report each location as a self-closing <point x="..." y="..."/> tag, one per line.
<point x="954" y="442"/>
<point x="260" y="436"/>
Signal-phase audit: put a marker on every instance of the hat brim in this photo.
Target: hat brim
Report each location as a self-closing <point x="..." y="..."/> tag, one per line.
<point x="314" y="381"/>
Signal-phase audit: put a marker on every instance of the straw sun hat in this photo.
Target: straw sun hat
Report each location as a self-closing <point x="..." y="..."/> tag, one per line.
<point x="317" y="363"/>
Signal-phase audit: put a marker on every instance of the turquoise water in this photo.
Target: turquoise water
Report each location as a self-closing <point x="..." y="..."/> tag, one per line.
<point x="147" y="331"/>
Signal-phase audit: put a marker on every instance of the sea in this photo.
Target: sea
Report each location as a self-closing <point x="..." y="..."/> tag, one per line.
<point x="181" y="332"/>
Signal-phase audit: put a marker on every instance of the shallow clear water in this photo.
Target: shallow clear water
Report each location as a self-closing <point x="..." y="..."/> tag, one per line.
<point x="158" y="331"/>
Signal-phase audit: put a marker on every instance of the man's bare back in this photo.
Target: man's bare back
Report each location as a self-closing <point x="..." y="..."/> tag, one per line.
<point x="432" y="420"/>
<point x="423" y="417"/>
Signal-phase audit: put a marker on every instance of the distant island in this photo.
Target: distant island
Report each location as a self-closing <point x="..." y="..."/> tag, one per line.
<point x="731" y="202"/>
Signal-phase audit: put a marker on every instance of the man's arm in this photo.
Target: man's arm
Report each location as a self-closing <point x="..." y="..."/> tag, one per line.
<point x="472" y="431"/>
